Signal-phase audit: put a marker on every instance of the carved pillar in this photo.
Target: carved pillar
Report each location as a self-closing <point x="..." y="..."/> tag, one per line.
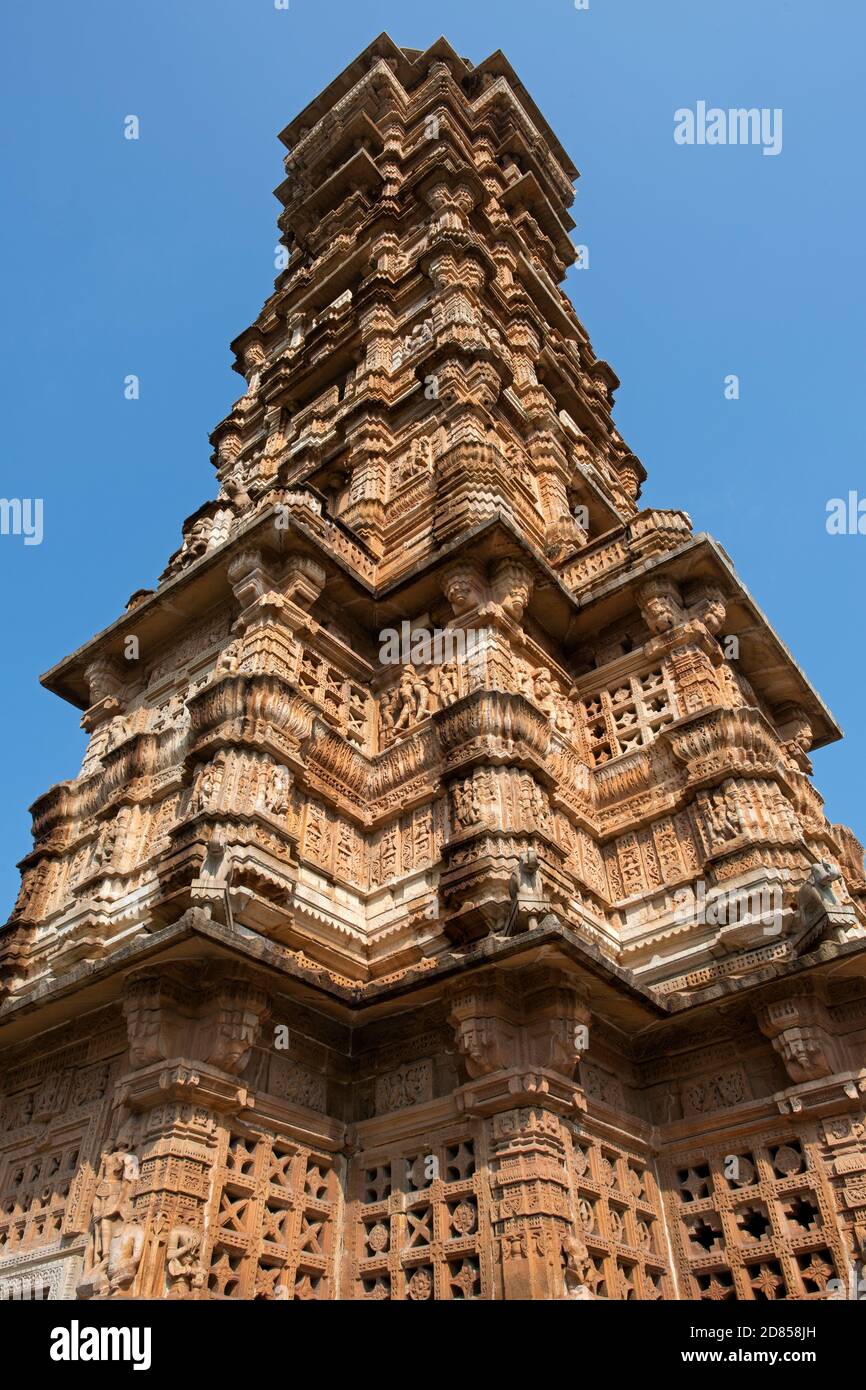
<point x="688" y="660"/>
<point x="523" y="334"/>
<point x="365" y="511"/>
<point x="378" y="324"/>
<point x="368" y="444"/>
<point x="190" y="1035"/>
<point x="528" y="1147"/>
<point x="845" y="1150"/>
<point x="684" y="641"/>
<point x="107" y="704"/>
<point x="521" y="1039"/>
<point x="561" y="531"/>
<point x="271" y="610"/>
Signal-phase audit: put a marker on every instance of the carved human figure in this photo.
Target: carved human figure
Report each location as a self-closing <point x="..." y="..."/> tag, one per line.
<point x="512" y="588"/>
<point x="447" y="691"/>
<point x="418" y="458"/>
<point x="110" y="1203"/>
<point x="523" y="679"/>
<point x="253" y="360"/>
<point x="798" y="737"/>
<point x="432" y="682"/>
<point x="406" y="700"/>
<point x="185" y="1270"/>
<point x="345" y="849"/>
<point x="710" y="608"/>
<point x="277" y="791"/>
<point x="463" y="586"/>
<point x="732" y="695"/>
<point x="526" y="803"/>
<point x="422" y="691"/>
<point x="116" y="732"/>
<point x="545" y="692"/>
<point x="174" y="715"/>
<point x="725" y="816"/>
<point x="467" y="810"/>
<point x="124" y="1256"/>
<point x="529" y="907"/>
<point x="540" y="807"/>
<point x="106" y="844"/>
<point x="116" y="1241"/>
<point x="204" y="790"/>
<point x="229" y="659"/>
<point x="387" y="703"/>
<point x="575" y="1265"/>
<point x="236" y="492"/>
<point x="389" y="853"/>
<point x="196" y="542"/>
<point x="563" y="719"/>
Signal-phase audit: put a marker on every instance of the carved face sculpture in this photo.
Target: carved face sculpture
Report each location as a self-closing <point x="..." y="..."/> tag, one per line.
<point x="462" y="587"/>
<point x="660" y="614"/>
<point x="713" y="613"/>
<point x="144" y="1020"/>
<point x="474" y="1041"/>
<point x="660" y="605"/>
<point x="512" y="587"/>
<point x="198" y="537"/>
<point x="234" y="1036"/>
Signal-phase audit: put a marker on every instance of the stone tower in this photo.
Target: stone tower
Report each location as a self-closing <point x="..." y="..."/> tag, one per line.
<point x="443" y="908"/>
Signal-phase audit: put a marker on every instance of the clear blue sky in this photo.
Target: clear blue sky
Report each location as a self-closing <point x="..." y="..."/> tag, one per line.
<point x="148" y="257"/>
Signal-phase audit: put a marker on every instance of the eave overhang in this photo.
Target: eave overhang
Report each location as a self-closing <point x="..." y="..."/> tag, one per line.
<point x="567" y="617"/>
<point x="764" y="659"/>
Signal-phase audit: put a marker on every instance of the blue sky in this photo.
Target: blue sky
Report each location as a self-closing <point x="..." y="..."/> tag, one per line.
<point x="147" y="257"/>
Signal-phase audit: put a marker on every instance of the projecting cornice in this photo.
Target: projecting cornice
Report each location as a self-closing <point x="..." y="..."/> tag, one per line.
<point x="764" y="658"/>
<point x="160" y="616"/>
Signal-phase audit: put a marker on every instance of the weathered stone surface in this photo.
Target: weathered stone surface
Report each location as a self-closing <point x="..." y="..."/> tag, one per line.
<point x="441" y="910"/>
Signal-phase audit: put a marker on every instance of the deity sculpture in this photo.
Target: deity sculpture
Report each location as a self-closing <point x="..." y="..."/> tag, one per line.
<point x="185" y="1271"/>
<point x="116" y="1241"/>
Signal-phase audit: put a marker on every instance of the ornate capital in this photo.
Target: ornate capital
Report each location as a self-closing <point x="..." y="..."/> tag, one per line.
<point x="799" y="1029"/>
<point x="169" y="1016"/>
<point x="538" y="1022"/>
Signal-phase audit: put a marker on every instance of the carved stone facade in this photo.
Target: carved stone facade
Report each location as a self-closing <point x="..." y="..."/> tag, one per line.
<point x="512" y="959"/>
